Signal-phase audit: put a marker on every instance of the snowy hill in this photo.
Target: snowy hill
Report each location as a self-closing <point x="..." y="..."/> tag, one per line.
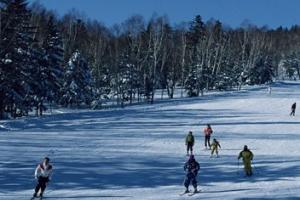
<point x="138" y="152"/>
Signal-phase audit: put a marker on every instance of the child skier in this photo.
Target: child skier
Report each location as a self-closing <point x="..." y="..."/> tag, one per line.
<point x="189" y="142"/>
<point x="247" y="156"/>
<point x="207" y="133"/>
<point x="42" y="174"/>
<point x="191" y="168"/>
<point x="215" y="147"/>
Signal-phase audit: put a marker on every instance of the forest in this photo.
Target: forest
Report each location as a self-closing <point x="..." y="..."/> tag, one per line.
<point x="73" y="61"/>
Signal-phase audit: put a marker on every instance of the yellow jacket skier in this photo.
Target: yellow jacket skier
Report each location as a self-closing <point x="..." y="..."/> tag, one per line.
<point x="247" y="156"/>
<point x="215" y="147"/>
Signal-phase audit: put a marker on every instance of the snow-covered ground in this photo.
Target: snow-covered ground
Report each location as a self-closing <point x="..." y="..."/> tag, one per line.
<point x="138" y="152"/>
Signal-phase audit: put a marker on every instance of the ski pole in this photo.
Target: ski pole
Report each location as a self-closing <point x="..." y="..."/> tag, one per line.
<point x="48" y="189"/>
<point x="255" y="168"/>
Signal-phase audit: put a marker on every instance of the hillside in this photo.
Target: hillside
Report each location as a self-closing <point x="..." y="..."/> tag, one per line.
<point x="138" y="152"/>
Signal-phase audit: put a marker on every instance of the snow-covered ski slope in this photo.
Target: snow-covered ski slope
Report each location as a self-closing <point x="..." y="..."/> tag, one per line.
<point x="137" y="153"/>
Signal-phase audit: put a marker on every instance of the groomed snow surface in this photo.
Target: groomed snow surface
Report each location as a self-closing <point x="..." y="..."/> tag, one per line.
<point x="137" y="153"/>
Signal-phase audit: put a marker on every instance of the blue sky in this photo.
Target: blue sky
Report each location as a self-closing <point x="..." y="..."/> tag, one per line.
<point x="272" y="13"/>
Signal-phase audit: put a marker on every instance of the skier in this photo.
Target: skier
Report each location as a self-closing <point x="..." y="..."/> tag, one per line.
<point x="43" y="175"/>
<point x="191" y="168"/>
<point x="269" y="90"/>
<point x="207" y="133"/>
<point x="215" y="147"/>
<point x="247" y="156"/>
<point x="189" y="142"/>
<point x="293" y="108"/>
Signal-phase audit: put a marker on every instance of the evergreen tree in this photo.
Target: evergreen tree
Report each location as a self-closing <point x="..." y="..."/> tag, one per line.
<point x="291" y="64"/>
<point x="103" y="86"/>
<point x="196" y="34"/>
<point x="124" y="80"/>
<point x="78" y="87"/>
<point x="197" y="70"/>
<point x="16" y="57"/>
<point x="191" y="83"/>
<point x="262" y="72"/>
<point x="53" y="55"/>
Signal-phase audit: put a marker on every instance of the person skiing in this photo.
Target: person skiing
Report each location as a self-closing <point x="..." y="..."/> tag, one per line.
<point x="42" y="174"/>
<point x="269" y="90"/>
<point x="189" y="142"/>
<point x="293" y="108"/>
<point x="247" y="156"/>
<point x="191" y="167"/>
<point x="215" y="147"/>
<point x="207" y="133"/>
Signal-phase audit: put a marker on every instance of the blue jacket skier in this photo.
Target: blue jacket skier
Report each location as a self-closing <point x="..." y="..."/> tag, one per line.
<point x="191" y="168"/>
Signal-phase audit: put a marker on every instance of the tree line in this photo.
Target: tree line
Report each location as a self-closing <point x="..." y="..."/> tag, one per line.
<point x="74" y="61"/>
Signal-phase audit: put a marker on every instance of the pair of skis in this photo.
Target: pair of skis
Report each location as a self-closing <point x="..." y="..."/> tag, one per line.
<point x="39" y="198"/>
<point x="189" y="193"/>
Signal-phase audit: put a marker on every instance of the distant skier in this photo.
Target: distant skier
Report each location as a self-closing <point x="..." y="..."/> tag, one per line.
<point x="42" y="174"/>
<point x="269" y="90"/>
<point x="247" y="156"/>
<point x="293" y="108"/>
<point x="191" y="168"/>
<point x="189" y="142"/>
<point x="215" y="147"/>
<point x="207" y="133"/>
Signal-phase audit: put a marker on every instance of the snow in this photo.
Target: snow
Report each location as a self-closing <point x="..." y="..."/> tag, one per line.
<point x="7" y="61"/>
<point x="138" y="152"/>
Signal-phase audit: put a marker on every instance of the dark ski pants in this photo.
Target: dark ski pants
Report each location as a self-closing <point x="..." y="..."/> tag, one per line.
<point x="189" y="146"/>
<point x="190" y="178"/>
<point x="207" y="141"/>
<point x="292" y="113"/>
<point x="41" y="184"/>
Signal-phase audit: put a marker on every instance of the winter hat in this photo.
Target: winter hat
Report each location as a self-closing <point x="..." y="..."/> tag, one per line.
<point x="245" y="148"/>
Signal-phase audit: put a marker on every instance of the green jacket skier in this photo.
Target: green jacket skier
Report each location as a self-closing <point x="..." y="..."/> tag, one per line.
<point x="189" y="142"/>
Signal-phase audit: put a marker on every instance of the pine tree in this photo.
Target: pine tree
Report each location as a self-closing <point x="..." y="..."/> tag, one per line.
<point x="53" y="48"/>
<point x="78" y="87"/>
<point x="16" y="57"/>
<point x="262" y="72"/>
<point x="197" y="70"/>
<point x="103" y="86"/>
<point x="128" y="80"/>
<point x="191" y="82"/>
<point x="291" y="64"/>
<point x="196" y="34"/>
